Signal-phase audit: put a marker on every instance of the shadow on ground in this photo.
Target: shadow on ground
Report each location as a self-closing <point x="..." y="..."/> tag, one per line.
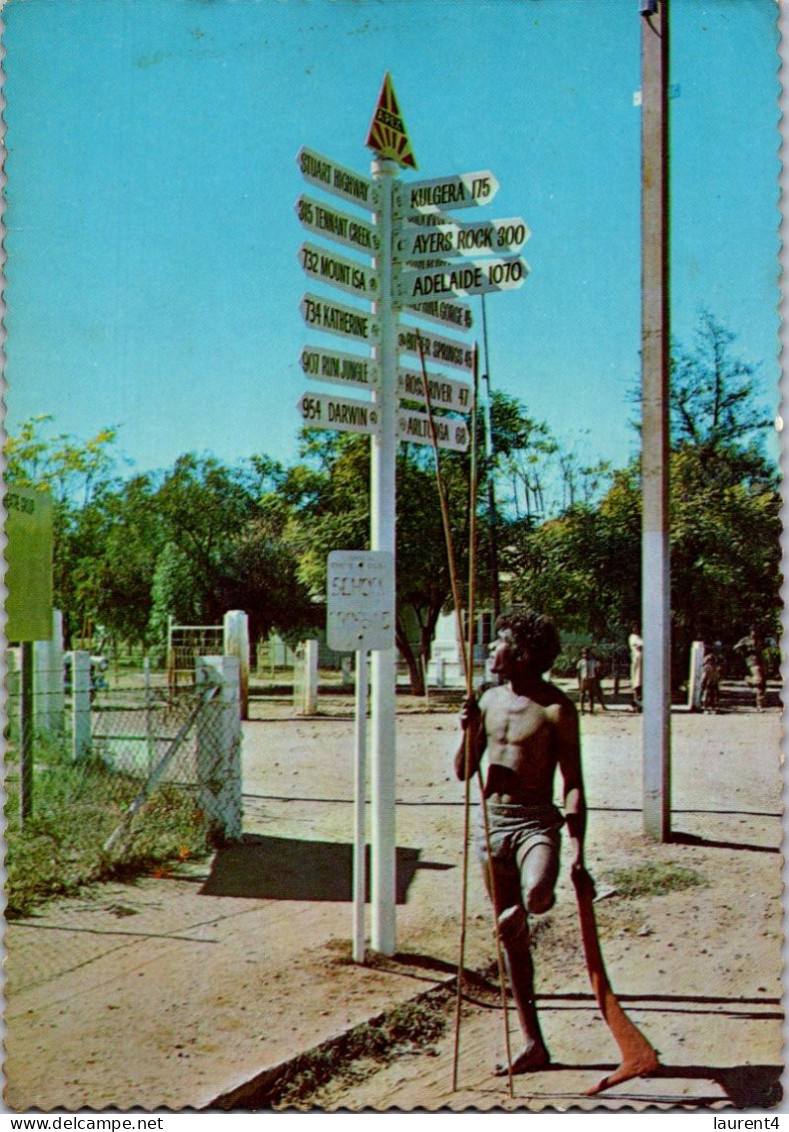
<point x="281" y="868"/>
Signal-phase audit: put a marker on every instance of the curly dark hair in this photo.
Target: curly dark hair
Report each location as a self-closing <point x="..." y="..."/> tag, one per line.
<point x="533" y="633"/>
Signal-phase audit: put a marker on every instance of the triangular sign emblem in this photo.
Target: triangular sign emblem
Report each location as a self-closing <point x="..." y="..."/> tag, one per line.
<point x="388" y="135"/>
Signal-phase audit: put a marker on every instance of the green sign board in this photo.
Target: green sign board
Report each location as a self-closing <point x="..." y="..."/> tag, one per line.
<point x="28" y="553"/>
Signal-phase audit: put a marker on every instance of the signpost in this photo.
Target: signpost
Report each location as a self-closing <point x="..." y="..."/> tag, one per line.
<point x="333" y="224"/>
<point x="405" y="251"/>
<point x="338" y="367"/>
<point x="336" y="179"/>
<point x="336" y="318"/>
<point x="338" y="271"/>
<point x="321" y="410"/>
<point x="489" y="237"/>
<point x="360" y="618"/>
<point x="445" y="392"/>
<point x="450" y="433"/>
<point x="465" y="190"/>
<point x="473" y="278"/>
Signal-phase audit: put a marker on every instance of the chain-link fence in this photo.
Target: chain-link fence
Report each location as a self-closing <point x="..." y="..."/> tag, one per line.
<point x="130" y="778"/>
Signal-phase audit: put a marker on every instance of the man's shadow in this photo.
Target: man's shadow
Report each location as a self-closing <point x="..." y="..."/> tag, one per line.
<point x="283" y="868"/>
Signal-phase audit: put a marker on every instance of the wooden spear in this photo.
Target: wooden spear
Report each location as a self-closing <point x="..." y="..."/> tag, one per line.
<point x="467" y="656"/>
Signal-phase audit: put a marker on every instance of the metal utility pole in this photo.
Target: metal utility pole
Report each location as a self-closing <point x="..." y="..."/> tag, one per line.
<point x="656" y="591"/>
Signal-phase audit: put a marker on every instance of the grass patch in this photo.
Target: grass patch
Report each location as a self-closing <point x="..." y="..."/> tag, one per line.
<point x="362" y="1051"/>
<point x="76" y="806"/>
<point x="653" y="879"/>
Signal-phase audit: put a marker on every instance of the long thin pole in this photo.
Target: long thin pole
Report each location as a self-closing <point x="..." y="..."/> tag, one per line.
<point x="469" y="688"/>
<point x="359" y="799"/>
<point x="382" y="537"/>
<point x="655" y="337"/>
<point x="472" y="538"/>
<point x="492" y="514"/>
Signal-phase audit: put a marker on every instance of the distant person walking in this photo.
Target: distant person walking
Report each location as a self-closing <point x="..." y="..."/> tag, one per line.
<point x="710" y="682"/>
<point x="636" y="646"/>
<point x="588" y="669"/>
<point x="753" y="648"/>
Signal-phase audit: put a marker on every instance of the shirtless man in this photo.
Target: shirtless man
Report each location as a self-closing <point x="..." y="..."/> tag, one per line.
<point x="527" y="727"/>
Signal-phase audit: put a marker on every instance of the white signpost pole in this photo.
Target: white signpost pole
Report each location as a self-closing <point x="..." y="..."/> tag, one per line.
<point x="359" y="799"/>
<point x="382" y="537"/>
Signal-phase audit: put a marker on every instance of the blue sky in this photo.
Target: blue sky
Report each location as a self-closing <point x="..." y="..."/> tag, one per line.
<point x="153" y="280"/>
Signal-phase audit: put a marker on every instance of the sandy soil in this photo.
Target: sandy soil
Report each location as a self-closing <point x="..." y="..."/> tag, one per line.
<point x="177" y="991"/>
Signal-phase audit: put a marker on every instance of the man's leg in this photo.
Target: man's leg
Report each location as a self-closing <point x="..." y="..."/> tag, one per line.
<point x="504" y="889"/>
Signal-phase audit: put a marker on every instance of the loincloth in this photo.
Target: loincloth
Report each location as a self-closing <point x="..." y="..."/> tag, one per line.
<point x="515" y="829"/>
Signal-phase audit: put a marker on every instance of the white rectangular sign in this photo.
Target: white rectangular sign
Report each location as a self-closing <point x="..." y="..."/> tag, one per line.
<point x="446" y="311"/>
<point x="335" y="225"/>
<point x="490" y="237"/>
<point x="339" y="368"/>
<point x="327" y="266"/>
<point x="443" y="351"/>
<point x="415" y="427"/>
<point x="476" y="277"/>
<point x="337" y="179"/>
<point x="445" y="392"/>
<point x="464" y="190"/>
<point x="336" y="318"/>
<point x="321" y="410"/>
<point x="360" y="595"/>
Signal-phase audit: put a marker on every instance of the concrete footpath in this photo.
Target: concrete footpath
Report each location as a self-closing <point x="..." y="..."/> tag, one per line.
<point x="191" y="989"/>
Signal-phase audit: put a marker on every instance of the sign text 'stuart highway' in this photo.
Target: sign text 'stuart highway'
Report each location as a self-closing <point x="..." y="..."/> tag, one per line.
<point x="473" y="278"/>
<point x="333" y="178"/>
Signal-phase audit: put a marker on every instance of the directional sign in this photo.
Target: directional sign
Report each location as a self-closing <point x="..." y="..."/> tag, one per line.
<point x="338" y="271"/>
<point x="415" y="427"/>
<point x="448" y="313"/>
<point x="333" y="178"/>
<point x="444" y="350"/>
<point x="321" y="410"/>
<point x="341" y="227"/>
<point x="360" y="600"/>
<point x="465" y="190"/>
<point x="473" y="278"/>
<point x="445" y="393"/>
<point x="336" y="318"/>
<point x="488" y="237"/>
<point x="339" y="368"/>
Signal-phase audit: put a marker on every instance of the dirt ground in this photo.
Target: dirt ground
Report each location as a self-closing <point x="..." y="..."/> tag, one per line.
<point x="194" y="989"/>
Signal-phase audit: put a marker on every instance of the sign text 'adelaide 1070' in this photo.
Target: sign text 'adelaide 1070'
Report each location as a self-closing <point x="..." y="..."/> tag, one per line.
<point x="474" y="278"/>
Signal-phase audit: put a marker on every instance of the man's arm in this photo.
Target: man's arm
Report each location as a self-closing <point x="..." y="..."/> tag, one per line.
<point x="569" y="744"/>
<point x="474" y="740"/>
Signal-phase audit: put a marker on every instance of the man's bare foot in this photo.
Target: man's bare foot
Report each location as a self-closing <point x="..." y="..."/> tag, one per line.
<point x="533" y="1058"/>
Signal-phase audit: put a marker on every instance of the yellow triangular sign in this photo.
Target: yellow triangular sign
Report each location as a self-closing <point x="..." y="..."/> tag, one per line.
<point x="388" y="135"/>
